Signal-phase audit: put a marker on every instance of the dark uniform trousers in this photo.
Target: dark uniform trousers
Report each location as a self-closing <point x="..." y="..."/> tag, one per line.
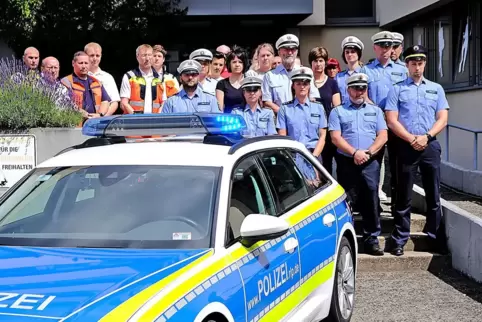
<point x="362" y="182"/>
<point x="328" y="154"/>
<point x="408" y="161"/>
<point x="392" y="150"/>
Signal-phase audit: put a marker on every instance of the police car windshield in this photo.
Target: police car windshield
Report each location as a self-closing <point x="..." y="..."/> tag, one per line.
<point x="165" y="207"/>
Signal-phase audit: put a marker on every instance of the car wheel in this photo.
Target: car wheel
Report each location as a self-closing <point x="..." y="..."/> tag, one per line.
<point x="343" y="297"/>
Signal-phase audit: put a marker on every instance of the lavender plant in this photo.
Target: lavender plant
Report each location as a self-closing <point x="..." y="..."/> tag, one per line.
<point x="28" y="100"/>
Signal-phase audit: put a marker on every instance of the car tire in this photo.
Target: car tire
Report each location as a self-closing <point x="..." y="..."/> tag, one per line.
<point x="343" y="296"/>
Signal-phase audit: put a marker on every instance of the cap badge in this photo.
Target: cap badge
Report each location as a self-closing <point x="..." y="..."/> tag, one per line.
<point x="350" y="39"/>
<point x="302" y="71"/>
<point x="360" y="78"/>
<point x="416" y="48"/>
<point x="288" y="37"/>
<point x="201" y="52"/>
<point x="189" y="63"/>
<point x="385" y="36"/>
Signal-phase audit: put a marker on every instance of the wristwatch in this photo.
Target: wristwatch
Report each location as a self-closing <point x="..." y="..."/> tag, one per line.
<point x="101" y="114"/>
<point x="429" y="137"/>
<point x="370" y="154"/>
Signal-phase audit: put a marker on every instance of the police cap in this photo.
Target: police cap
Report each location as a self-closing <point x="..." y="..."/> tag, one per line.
<point x="251" y="81"/>
<point x="189" y="66"/>
<point x="397" y="38"/>
<point x="383" y="39"/>
<point x="359" y="79"/>
<point x="302" y="73"/>
<point x="352" y="42"/>
<point x="416" y="52"/>
<point x="287" y="41"/>
<point x="201" y="54"/>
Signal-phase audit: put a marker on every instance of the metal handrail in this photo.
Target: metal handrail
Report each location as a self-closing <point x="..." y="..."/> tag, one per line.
<point x="467" y="129"/>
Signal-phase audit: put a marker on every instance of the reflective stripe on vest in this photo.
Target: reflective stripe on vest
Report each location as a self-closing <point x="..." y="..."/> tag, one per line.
<point x="138" y="91"/>
<point x="78" y="91"/>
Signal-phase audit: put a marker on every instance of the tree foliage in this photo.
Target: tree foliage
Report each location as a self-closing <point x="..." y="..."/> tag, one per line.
<point x="61" y="27"/>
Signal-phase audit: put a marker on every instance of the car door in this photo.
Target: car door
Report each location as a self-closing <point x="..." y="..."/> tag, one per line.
<point x="270" y="272"/>
<point x="300" y="189"/>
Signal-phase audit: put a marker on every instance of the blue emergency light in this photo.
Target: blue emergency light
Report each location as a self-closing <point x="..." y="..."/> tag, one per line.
<point x="165" y="124"/>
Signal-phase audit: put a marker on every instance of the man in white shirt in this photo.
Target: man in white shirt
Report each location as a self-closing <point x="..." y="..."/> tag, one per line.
<point x="94" y="50"/>
<point x="142" y="91"/>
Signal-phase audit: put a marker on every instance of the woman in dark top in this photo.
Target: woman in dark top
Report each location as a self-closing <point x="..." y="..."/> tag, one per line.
<point x="228" y="91"/>
<point x="329" y="97"/>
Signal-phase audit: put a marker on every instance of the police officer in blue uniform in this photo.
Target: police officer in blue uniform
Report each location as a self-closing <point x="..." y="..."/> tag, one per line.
<point x="417" y="110"/>
<point x="359" y="131"/>
<point x="302" y="119"/>
<point x="191" y="98"/>
<point x="260" y="121"/>
<point x="397" y="48"/>
<point x="352" y="49"/>
<point x="205" y="58"/>
<point x="383" y="73"/>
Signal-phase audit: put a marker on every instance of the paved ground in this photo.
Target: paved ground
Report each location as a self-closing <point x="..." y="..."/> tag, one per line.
<point x="417" y="296"/>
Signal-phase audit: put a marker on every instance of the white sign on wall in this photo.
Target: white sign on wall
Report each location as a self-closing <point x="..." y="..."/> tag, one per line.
<point x="18" y="155"/>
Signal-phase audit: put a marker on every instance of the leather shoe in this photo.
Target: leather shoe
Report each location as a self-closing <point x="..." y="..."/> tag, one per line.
<point x="397" y="251"/>
<point x="374" y="250"/>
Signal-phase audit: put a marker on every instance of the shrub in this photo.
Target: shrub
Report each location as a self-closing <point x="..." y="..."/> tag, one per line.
<point x="28" y="100"/>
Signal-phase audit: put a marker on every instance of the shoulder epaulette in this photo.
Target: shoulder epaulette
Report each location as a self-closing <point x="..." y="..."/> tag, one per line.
<point x="208" y="93"/>
<point x="289" y="102"/>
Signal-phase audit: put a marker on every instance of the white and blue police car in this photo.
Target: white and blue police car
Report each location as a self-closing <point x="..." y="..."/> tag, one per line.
<point x="177" y="217"/>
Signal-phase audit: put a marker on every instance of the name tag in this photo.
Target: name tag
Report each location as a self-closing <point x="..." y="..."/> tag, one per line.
<point x="431" y="91"/>
<point x="315" y="115"/>
<point x="203" y="103"/>
<point x="370" y="114"/>
<point x="263" y="119"/>
<point x="397" y="74"/>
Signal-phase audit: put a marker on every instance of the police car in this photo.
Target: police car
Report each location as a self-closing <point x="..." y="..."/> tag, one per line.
<point x="177" y="217"/>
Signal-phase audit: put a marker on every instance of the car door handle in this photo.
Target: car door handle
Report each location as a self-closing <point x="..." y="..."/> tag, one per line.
<point x="290" y="245"/>
<point x="328" y="220"/>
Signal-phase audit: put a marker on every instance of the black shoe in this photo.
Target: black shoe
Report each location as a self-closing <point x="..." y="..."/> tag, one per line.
<point x="373" y="249"/>
<point x="397" y="251"/>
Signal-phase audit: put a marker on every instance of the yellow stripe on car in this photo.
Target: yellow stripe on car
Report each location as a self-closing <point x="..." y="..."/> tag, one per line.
<point x="132" y="305"/>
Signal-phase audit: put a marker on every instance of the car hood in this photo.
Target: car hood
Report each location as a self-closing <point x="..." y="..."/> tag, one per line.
<point x="39" y="284"/>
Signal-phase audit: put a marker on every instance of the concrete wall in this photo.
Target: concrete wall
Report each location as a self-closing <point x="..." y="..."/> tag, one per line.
<point x="331" y="38"/>
<point x="52" y="140"/>
<point x="464" y="235"/>
<point x="391" y="10"/>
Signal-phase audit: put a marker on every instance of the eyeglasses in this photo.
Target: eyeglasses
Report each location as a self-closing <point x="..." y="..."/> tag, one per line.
<point x="359" y="88"/>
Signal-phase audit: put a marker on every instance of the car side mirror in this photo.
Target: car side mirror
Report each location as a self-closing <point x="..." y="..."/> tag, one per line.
<point x="257" y="227"/>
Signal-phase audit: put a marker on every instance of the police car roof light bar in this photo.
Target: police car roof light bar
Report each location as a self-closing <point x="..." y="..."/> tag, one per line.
<point x="165" y="124"/>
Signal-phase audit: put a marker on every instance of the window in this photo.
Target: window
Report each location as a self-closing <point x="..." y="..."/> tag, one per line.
<point x="350" y="11"/>
<point x="286" y="179"/>
<point x="249" y="195"/>
<point x="314" y="178"/>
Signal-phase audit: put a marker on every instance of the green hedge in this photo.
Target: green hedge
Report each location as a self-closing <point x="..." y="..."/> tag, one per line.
<point x="29" y="101"/>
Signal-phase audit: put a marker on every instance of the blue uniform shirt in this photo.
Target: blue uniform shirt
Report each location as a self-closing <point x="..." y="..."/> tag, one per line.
<point x="381" y="79"/>
<point x="417" y="105"/>
<point x="401" y="63"/>
<point x="260" y="122"/>
<point x="200" y="102"/>
<point x="341" y="80"/>
<point x="302" y="122"/>
<point x="277" y="86"/>
<point x="358" y="125"/>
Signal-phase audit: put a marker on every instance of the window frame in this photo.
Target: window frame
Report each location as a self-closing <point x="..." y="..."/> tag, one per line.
<point x="351" y="21"/>
<point x="228" y="241"/>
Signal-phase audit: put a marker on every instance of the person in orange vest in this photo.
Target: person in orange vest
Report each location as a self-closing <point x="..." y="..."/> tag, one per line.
<point x="171" y="85"/>
<point x="142" y="90"/>
<point x="87" y="92"/>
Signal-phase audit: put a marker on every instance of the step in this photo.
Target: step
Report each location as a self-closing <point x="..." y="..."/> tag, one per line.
<point x="409" y="261"/>
<point x="387" y="221"/>
<point x="416" y="242"/>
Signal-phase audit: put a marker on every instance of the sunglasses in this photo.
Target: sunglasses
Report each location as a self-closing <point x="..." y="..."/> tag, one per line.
<point x="395" y="46"/>
<point x="194" y="74"/>
<point x="359" y="88"/>
<point x="251" y="89"/>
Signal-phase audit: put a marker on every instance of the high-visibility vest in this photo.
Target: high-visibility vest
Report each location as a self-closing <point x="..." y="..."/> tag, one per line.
<point x="78" y="90"/>
<point x="170" y="84"/>
<point x="138" y="91"/>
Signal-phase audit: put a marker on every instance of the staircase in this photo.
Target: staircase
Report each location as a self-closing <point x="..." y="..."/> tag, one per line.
<point x="418" y="255"/>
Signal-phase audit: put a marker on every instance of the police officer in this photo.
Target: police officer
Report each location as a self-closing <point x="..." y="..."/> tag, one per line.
<point x="352" y="49"/>
<point x="417" y="110"/>
<point x="303" y="120"/>
<point x="205" y="58"/>
<point x="276" y="83"/>
<point x="260" y="121"/>
<point x="397" y="48"/>
<point x="192" y="97"/>
<point x="359" y="131"/>
<point x="383" y="73"/>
